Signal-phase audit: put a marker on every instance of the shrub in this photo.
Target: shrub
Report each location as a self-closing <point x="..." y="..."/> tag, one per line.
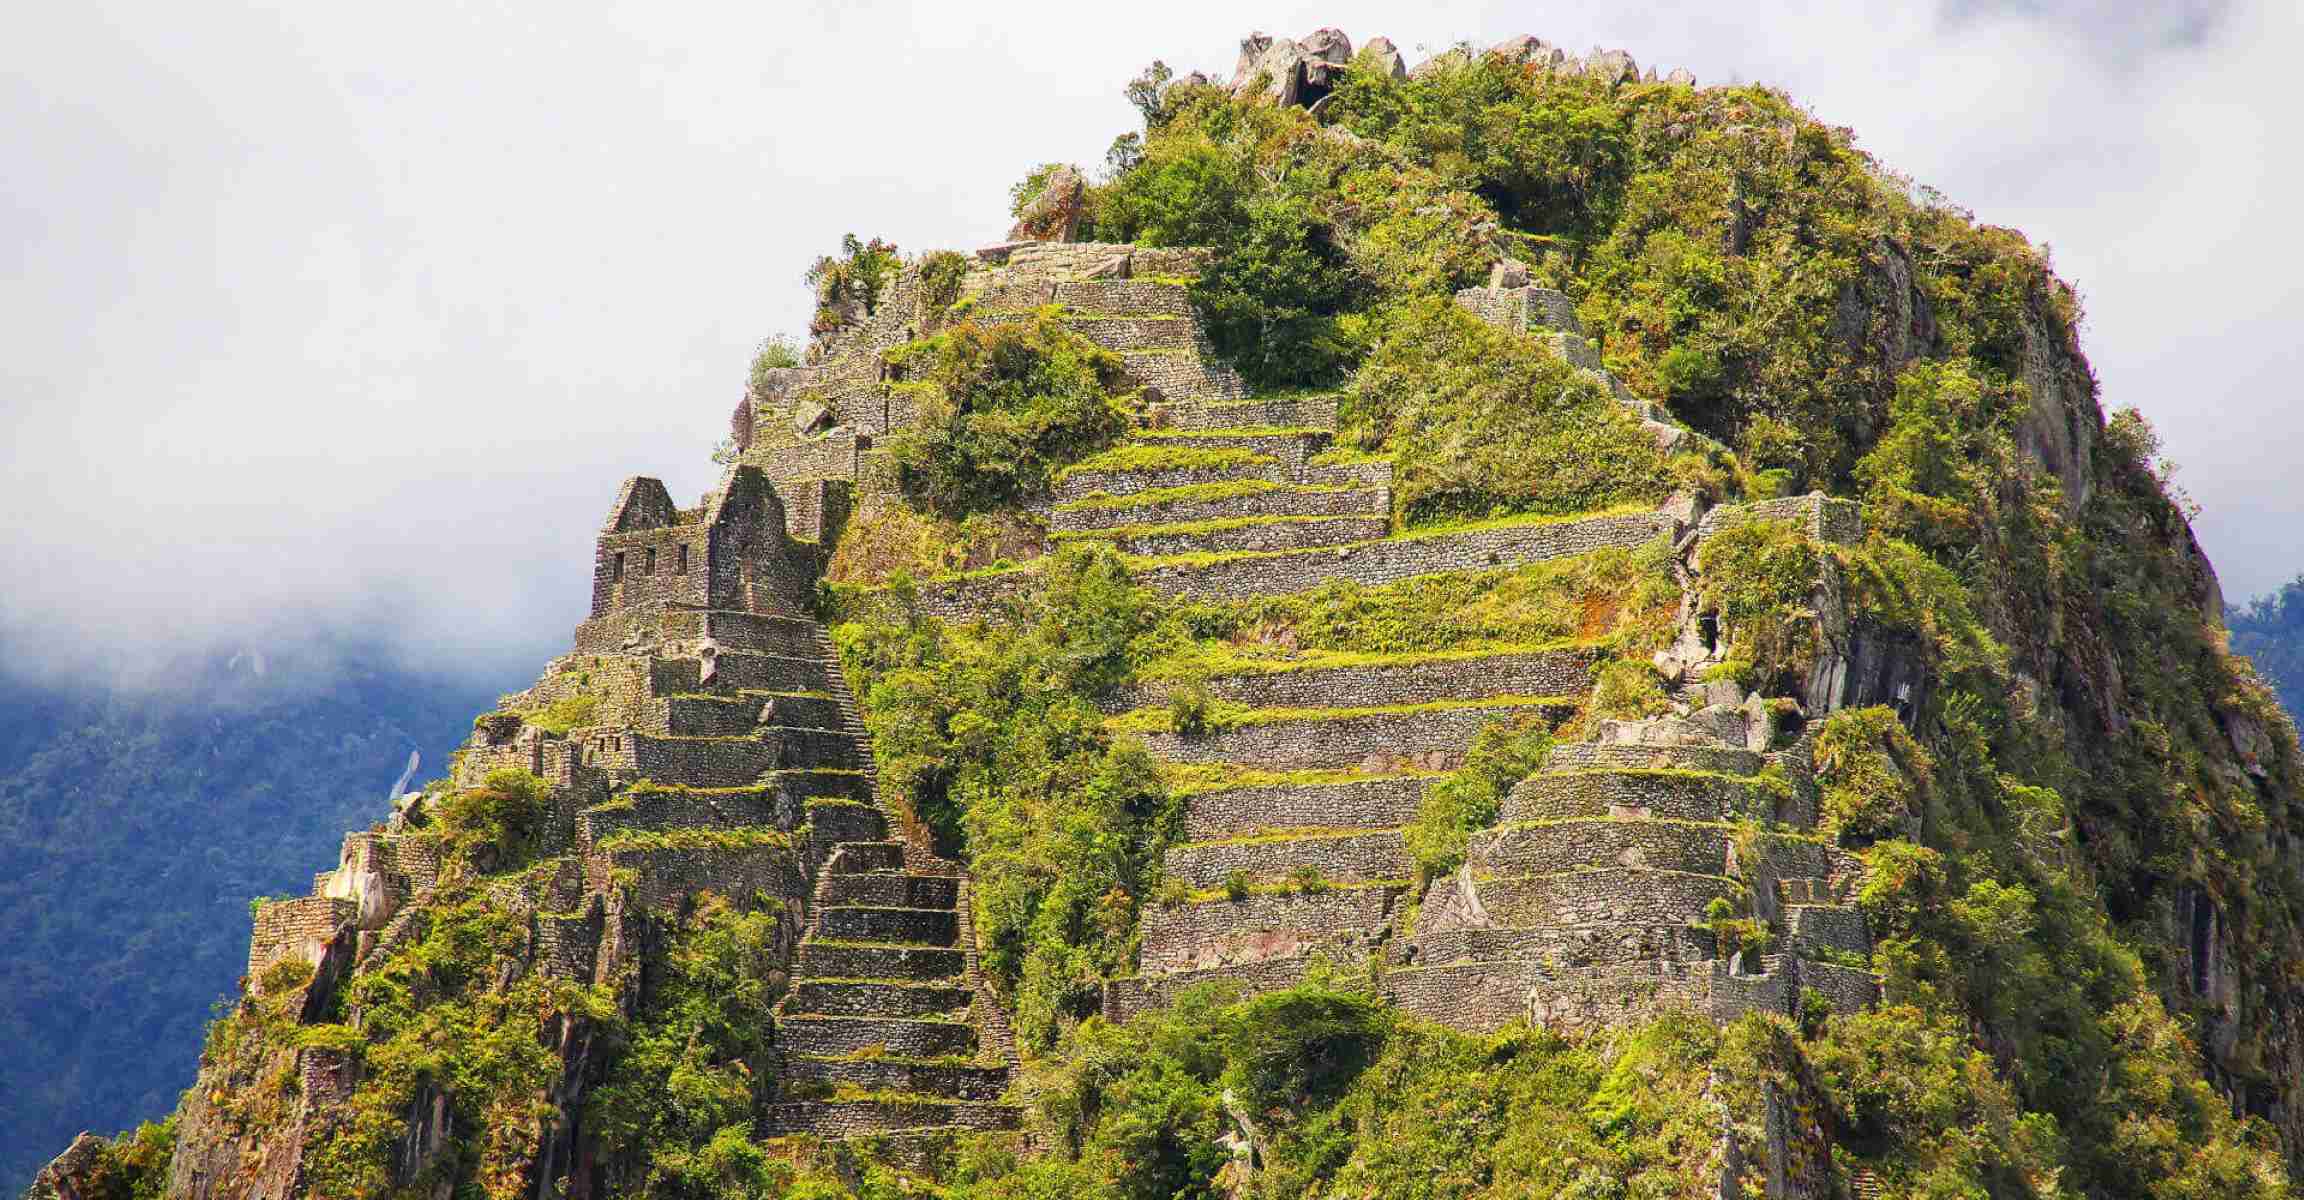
<point x="1188" y="709"/>
<point x="1484" y="423"/>
<point x="1307" y="880"/>
<point x="772" y="354"/>
<point x="1002" y="409"/>
<point x="1873" y="775"/>
<point x="494" y="826"/>
<point x="287" y="975"/>
<point x="1236" y="886"/>
<point x="848" y="287"/>
<point x="1501" y="755"/>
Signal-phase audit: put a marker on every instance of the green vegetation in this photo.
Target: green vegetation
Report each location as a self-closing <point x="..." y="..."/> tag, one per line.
<point x="1502" y="754"/>
<point x="848" y="288"/>
<point x="990" y="733"/>
<point x="494" y="826"/>
<point x="1158" y="456"/>
<point x="675" y="1111"/>
<point x="1002" y="408"/>
<point x="2270" y="630"/>
<point x="1485" y="423"/>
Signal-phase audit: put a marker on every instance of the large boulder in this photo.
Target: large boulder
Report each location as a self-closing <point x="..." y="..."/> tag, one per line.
<point x="1381" y="55"/>
<point x="1054" y="214"/>
<point x="1288" y="71"/>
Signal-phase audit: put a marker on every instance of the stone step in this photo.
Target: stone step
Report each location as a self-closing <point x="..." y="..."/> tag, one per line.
<point x="1251" y="498"/>
<point x="1338" y="856"/>
<point x="763" y="633"/>
<point x="857" y="858"/>
<point x="1574" y="844"/>
<point x="1431" y="737"/>
<point x="1298" y="410"/>
<point x="833" y="823"/>
<point x="1230" y="534"/>
<point x="1389" y="679"/>
<point x="705" y="715"/>
<point x="839" y="1035"/>
<point x="737" y="761"/>
<point x="858" y="923"/>
<point x="1183" y="375"/>
<point x="740" y="671"/>
<point x="1292" y="446"/>
<point x="1390" y="560"/>
<point x="1839" y="927"/>
<point x="1164" y="472"/>
<point x="1578" y="947"/>
<point x="859" y="1118"/>
<point x="1590" y="756"/>
<point x="1620" y="895"/>
<point x="875" y="998"/>
<point x="1371" y="802"/>
<point x="1122" y="335"/>
<point x="1634" y="792"/>
<point x="1129" y="996"/>
<point x="1266" y="925"/>
<point x="660" y="808"/>
<point x="950" y="1081"/>
<point x="866" y="960"/>
<point x="892" y="891"/>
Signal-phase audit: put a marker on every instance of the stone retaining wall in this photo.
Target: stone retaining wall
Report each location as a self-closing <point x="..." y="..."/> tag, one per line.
<point x="1840" y="927"/>
<point x="1079" y="485"/>
<point x="1597" y="897"/>
<point x="1577" y="947"/>
<point x="1373" y="803"/>
<point x="1255" y="534"/>
<point x="831" y="1035"/>
<point x="1634" y="794"/>
<point x="1823" y="517"/>
<point x="1263" y="926"/>
<point x="1375" y="855"/>
<point x="1430" y="739"/>
<point x="1539" y="673"/>
<point x="663" y="879"/>
<point x="827" y="960"/>
<point x="301" y="928"/>
<point x="1285" y="502"/>
<point x="1600" y="756"/>
<point x="921" y="925"/>
<point x="876" y="999"/>
<point x="657" y="810"/>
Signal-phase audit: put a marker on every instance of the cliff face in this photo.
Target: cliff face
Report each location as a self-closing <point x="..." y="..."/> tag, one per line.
<point x="1513" y="589"/>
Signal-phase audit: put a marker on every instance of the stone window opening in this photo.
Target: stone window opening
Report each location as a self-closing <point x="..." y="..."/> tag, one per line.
<point x="648" y="561"/>
<point x="680" y="559"/>
<point x="616" y="567"/>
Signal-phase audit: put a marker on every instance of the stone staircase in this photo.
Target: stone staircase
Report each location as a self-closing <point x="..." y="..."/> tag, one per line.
<point x="742" y="724"/>
<point x="883" y="1028"/>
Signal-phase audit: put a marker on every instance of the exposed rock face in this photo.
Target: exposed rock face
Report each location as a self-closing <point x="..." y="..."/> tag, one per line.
<point x="2062" y="423"/>
<point x="1385" y="57"/>
<point x="1054" y="214"/>
<point x="1289" y="71"/>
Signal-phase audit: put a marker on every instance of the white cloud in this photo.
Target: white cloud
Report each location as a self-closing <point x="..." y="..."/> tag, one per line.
<point x="335" y="315"/>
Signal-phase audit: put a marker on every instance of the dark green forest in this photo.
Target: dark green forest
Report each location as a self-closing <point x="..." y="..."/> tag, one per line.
<point x="135" y="826"/>
<point x="2270" y="630"/>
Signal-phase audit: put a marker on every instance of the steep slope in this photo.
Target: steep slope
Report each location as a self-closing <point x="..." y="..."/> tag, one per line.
<point x="1513" y="628"/>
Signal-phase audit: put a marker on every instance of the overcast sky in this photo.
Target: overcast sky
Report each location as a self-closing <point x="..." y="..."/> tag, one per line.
<point x="351" y="317"/>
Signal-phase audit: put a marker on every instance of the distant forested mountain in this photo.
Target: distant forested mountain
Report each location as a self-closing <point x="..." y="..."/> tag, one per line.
<point x="134" y="828"/>
<point x="2270" y="629"/>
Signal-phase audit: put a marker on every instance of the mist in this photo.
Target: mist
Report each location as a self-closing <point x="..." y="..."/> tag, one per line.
<point x="344" y="323"/>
